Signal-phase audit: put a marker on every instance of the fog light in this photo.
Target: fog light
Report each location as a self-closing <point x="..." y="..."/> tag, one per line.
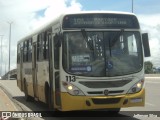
<point x="88" y="103"/>
<point x="125" y="101"/>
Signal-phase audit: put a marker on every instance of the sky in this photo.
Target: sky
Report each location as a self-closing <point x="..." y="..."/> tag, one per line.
<point x="25" y="16"/>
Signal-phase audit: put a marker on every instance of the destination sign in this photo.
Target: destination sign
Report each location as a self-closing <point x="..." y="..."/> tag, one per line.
<point x="104" y="21"/>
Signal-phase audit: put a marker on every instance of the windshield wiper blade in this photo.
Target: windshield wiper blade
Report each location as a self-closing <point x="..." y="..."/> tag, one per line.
<point x="85" y="38"/>
<point x="114" y="40"/>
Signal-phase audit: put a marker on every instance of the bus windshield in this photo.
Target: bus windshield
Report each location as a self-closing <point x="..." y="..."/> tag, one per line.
<point x="109" y="53"/>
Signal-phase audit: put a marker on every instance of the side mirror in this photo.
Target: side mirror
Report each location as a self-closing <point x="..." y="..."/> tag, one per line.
<point x="146" y="45"/>
<point x="57" y="40"/>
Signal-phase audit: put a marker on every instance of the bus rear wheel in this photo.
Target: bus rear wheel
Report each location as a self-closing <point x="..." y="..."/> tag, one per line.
<point x="47" y="96"/>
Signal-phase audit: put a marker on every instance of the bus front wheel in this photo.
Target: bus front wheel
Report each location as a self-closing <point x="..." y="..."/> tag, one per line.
<point x="47" y="96"/>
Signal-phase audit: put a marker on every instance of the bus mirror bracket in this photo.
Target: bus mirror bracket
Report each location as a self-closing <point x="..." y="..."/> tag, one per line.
<point x="146" y="47"/>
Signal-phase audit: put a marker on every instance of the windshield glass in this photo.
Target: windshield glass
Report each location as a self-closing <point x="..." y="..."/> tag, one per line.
<point x="102" y="53"/>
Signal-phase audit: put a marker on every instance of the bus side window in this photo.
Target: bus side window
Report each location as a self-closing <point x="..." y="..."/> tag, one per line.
<point x="25" y="52"/>
<point x="30" y="50"/>
<point x="39" y="48"/>
<point x="18" y="53"/>
<point x="38" y="45"/>
<point x="45" y="46"/>
<point x="56" y="52"/>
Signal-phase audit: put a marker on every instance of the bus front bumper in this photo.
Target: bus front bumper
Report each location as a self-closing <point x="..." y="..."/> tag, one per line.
<point x="70" y="103"/>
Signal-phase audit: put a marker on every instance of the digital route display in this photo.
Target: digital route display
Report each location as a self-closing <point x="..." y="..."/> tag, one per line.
<point x="104" y="21"/>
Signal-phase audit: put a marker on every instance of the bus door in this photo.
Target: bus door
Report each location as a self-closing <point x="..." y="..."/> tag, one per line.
<point x="51" y="89"/>
<point x="34" y="70"/>
<point x="56" y="47"/>
<point x="21" y="68"/>
<point x="54" y="72"/>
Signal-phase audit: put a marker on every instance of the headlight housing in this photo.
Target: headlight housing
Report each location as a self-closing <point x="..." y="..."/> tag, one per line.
<point x="73" y="90"/>
<point x="137" y="87"/>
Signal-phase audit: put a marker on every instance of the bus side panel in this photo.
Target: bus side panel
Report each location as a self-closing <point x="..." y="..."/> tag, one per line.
<point x="18" y="77"/>
<point x="20" y="70"/>
<point x="42" y="77"/>
<point x="28" y="78"/>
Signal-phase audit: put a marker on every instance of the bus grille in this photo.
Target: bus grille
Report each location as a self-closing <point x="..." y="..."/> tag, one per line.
<point x="104" y="84"/>
<point x="102" y="92"/>
<point x="106" y="100"/>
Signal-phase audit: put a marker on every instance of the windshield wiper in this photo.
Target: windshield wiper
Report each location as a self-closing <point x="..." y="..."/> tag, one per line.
<point x="85" y="38"/>
<point x="114" y="40"/>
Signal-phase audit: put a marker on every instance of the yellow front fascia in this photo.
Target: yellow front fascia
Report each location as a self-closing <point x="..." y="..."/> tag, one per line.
<point x="70" y="103"/>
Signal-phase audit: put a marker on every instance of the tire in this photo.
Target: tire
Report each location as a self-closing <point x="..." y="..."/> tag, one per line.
<point x="47" y="96"/>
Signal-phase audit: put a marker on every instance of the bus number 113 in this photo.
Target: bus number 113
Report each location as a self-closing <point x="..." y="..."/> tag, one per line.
<point x="70" y="78"/>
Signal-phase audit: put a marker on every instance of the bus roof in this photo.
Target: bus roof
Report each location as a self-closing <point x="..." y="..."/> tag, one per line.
<point x="108" y="12"/>
<point x="60" y="18"/>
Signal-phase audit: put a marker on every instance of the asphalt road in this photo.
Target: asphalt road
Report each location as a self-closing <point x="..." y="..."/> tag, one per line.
<point x="150" y="111"/>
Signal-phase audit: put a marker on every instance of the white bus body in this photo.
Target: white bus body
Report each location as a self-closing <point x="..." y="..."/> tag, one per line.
<point x="106" y="71"/>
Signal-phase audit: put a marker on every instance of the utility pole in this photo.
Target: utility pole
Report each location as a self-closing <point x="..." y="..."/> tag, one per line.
<point x="10" y="23"/>
<point x="132" y="6"/>
<point x="1" y="54"/>
<point x="5" y="69"/>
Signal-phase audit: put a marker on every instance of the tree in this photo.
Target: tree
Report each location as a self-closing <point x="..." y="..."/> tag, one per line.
<point x="148" y="66"/>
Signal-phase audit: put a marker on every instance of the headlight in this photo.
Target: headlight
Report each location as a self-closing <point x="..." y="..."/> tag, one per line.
<point x="137" y="87"/>
<point x="73" y="90"/>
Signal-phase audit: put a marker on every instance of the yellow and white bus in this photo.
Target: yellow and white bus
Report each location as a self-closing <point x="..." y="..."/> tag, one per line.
<point x="85" y="61"/>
